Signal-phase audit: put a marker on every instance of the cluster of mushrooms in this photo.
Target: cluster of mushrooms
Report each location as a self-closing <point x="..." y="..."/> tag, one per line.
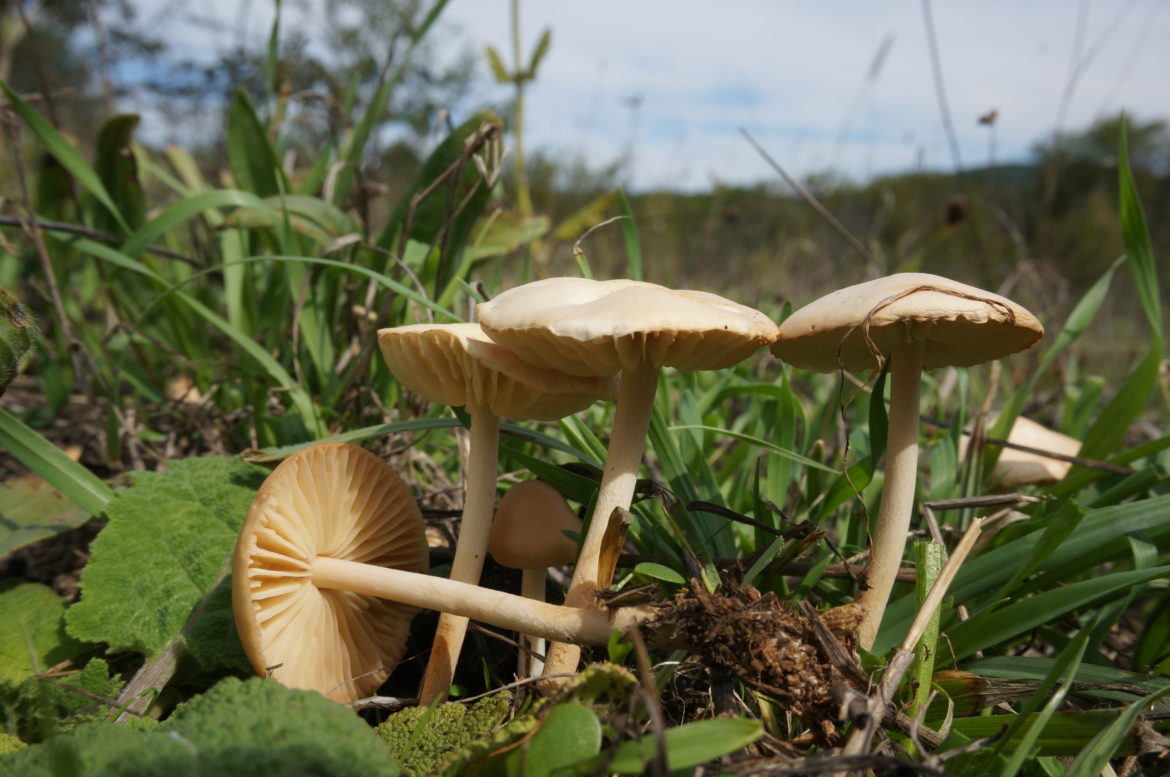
<point x="331" y="561"/>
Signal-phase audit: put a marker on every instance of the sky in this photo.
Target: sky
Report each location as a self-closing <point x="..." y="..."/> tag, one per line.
<point x="669" y="86"/>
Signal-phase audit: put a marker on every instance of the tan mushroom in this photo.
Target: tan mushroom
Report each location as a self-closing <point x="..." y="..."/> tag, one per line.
<point x="324" y="581"/>
<point x="458" y="365"/>
<point x="529" y="534"/>
<point x="586" y="327"/>
<point x="1017" y="467"/>
<point x="917" y="321"/>
<point x="328" y="500"/>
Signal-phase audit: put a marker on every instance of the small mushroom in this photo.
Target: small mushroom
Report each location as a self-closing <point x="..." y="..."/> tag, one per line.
<point x="327" y="500"/>
<point x="457" y="365"/>
<point x="325" y="578"/>
<point x="528" y="534"/>
<point x="917" y="321"/>
<point x="600" y="328"/>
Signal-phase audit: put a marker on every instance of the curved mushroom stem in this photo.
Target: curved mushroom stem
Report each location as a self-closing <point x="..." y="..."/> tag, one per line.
<point x="529" y="662"/>
<point x="588" y="626"/>
<point x="897" y="503"/>
<point x="631" y="420"/>
<point x="479" y="496"/>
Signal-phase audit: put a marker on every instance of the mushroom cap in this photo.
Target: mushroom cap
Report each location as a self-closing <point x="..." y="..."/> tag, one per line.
<point x="959" y="325"/>
<point x="457" y="364"/>
<point x="528" y="531"/>
<point x="1016" y="468"/>
<point x="330" y="499"/>
<point x="587" y="327"/>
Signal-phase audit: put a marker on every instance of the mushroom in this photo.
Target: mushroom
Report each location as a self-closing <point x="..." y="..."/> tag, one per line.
<point x="325" y="578"/>
<point x="528" y="534"/>
<point x="917" y="321"/>
<point x="600" y="328"/>
<point x="457" y="365"/>
<point x="334" y="500"/>
<point x="1017" y="467"/>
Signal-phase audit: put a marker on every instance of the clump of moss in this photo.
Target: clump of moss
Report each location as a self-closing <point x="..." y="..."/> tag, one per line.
<point x="420" y="738"/>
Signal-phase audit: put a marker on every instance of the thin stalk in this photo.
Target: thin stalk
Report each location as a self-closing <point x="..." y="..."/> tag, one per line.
<point x="529" y="663"/>
<point x="478" y="503"/>
<point x="897" y="503"/>
<point x="631" y="421"/>
<point x="509" y="611"/>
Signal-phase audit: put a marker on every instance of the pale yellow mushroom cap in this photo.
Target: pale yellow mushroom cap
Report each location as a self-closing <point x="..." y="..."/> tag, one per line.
<point x="587" y="327"/>
<point x="959" y="325"/>
<point x="1015" y="468"/>
<point x="457" y="365"/>
<point x="528" y="531"/>
<point x="336" y="500"/>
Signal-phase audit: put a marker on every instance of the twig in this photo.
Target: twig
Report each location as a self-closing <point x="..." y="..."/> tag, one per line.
<point x="876" y="705"/>
<point x="808" y="197"/>
<point x="95" y="234"/>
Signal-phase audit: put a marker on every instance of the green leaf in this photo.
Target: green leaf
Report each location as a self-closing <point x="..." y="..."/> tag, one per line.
<point x="761" y="443"/>
<point x="497" y="65"/>
<point x="185" y="209"/>
<point x="687" y="745"/>
<point x="253" y="161"/>
<point x="1136" y="237"/>
<point x="31" y="510"/>
<point x="1065" y="734"/>
<point x="659" y="572"/>
<point x="1113" y="739"/>
<point x="117" y="168"/>
<point x="1022" y="616"/>
<point x="65" y="153"/>
<point x="568" y="734"/>
<point x="237" y="729"/>
<point x="422" y="738"/>
<point x="169" y="539"/>
<point x="539" y="53"/>
<point x="33" y="638"/>
<point x="42" y="457"/>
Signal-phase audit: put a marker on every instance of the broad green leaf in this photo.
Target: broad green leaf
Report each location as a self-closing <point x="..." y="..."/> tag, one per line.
<point x="33" y="638"/>
<point x="687" y="745"/>
<point x="169" y="538"/>
<point x="981" y="632"/>
<point x="659" y="572"/>
<point x="311" y="216"/>
<point x="568" y="734"/>
<point x="497" y="65"/>
<point x="31" y="510"/>
<point x="237" y="729"/>
<point x="42" y="457"/>
<point x="65" y="153"/>
<point x="185" y="209"/>
<point x="46" y="704"/>
<point x="117" y="168"/>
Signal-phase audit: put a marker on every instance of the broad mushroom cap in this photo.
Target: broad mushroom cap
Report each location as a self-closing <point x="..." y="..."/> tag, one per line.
<point x="958" y="324"/>
<point x="457" y="365"/>
<point x="587" y="327"/>
<point x="528" y="531"/>
<point x="335" y="500"/>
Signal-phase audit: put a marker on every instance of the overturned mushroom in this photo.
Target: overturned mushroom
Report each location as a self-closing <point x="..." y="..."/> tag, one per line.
<point x="600" y="328"/>
<point x="917" y="321"/>
<point x="457" y="365"/>
<point x="325" y="578"/>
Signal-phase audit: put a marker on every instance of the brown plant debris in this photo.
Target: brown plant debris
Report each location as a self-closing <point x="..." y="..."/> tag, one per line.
<point x="768" y="645"/>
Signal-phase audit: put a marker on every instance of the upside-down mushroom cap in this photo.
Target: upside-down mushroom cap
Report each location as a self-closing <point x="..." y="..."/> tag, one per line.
<point x="457" y="365"/>
<point x="958" y="324"/>
<point x="1015" y="468"/>
<point x="529" y="528"/>
<point x="587" y="327"/>
<point x="336" y="500"/>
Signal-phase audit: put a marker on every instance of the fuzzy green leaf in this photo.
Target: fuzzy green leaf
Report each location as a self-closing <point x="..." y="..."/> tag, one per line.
<point x="33" y="638"/>
<point x="237" y="728"/>
<point x="169" y="539"/>
<point x="421" y="738"/>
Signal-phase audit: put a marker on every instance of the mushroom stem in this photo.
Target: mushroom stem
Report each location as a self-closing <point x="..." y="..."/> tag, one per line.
<point x="529" y="663"/>
<point x="466" y="567"/>
<point x="897" y="503"/>
<point x="552" y="621"/>
<point x="631" y="421"/>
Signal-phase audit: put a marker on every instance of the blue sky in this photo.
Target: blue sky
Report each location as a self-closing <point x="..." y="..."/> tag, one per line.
<point x="666" y="85"/>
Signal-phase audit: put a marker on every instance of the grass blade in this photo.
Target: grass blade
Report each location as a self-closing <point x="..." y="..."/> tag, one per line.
<point x="42" y="457"/>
